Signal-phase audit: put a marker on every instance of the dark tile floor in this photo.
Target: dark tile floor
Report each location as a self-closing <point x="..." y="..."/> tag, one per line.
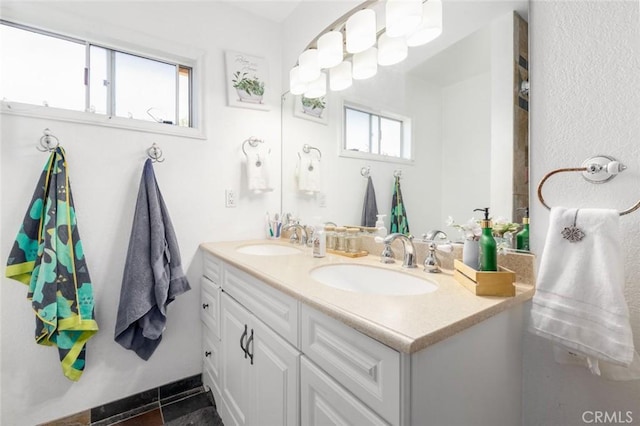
<point x="181" y="403"/>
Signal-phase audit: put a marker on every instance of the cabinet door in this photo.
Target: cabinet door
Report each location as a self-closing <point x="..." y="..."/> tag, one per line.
<point x="324" y="402"/>
<point x="211" y="361"/>
<point x="236" y="391"/>
<point x="275" y="373"/>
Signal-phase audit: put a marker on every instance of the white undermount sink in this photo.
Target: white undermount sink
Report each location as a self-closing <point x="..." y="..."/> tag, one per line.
<point x="371" y="280"/>
<point x="268" y="250"/>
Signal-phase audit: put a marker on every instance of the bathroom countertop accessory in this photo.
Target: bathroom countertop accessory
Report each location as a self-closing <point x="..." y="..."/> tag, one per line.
<point x="485" y="283"/>
<point x="598" y="169"/>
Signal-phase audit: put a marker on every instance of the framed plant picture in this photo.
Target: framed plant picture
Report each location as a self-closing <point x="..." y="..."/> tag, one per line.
<point x="247" y="80"/>
<point x="311" y="109"/>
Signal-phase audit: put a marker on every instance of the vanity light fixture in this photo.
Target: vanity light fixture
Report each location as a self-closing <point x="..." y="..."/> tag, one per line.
<point x="365" y="64"/>
<point x="361" y="31"/>
<point x="431" y="26"/>
<point x="408" y="23"/>
<point x="317" y="88"/>
<point x="340" y="76"/>
<point x="309" y="70"/>
<point x="391" y="50"/>
<point x="402" y="16"/>
<point x="330" y="49"/>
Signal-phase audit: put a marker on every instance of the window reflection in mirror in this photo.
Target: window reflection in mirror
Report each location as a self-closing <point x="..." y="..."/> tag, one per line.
<point x="375" y="134"/>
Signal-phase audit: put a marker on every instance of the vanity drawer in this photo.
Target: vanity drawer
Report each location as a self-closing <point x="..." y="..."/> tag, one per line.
<point x="324" y="402"/>
<point x="212" y="267"/>
<point x="364" y="366"/>
<point x="210" y="305"/>
<point x="211" y="361"/>
<point x="276" y="309"/>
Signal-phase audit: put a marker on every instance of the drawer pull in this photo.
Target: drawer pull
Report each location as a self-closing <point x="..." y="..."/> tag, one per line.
<point x="207" y="353"/>
<point x="205" y="305"/>
<point x="241" y="339"/>
<point x="250" y="341"/>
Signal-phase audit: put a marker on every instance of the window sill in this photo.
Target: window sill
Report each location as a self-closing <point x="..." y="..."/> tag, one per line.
<point x="58" y="114"/>
<point x="375" y="157"/>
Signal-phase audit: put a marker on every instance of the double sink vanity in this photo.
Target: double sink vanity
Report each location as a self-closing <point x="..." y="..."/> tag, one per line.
<point x="291" y="339"/>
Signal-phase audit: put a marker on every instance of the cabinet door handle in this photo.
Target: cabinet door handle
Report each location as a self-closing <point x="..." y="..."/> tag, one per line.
<point x="250" y="341"/>
<point x="207" y="353"/>
<point x="205" y="305"/>
<point x="241" y="339"/>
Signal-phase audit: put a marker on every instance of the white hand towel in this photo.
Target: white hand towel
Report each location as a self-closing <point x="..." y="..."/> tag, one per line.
<point x="258" y="176"/>
<point x="579" y="302"/>
<point x="309" y="176"/>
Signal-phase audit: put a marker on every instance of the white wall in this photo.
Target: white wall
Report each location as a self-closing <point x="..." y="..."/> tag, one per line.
<point x="466" y="152"/>
<point x="105" y="166"/>
<point x="585" y="85"/>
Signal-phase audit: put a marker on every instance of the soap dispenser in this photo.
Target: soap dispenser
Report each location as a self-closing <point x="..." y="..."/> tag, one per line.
<point x="381" y="229"/>
<point x="522" y="237"/>
<point x="488" y="247"/>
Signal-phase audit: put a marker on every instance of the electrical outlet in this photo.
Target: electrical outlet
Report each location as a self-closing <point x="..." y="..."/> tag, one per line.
<point x="230" y="198"/>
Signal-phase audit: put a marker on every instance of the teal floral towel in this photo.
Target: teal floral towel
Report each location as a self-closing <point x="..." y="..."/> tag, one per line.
<point x="47" y="256"/>
<point x="399" y="222"/>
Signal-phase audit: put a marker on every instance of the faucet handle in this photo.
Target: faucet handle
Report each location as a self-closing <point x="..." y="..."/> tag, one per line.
<point x="431" y="263"/>
<point x="387" y="254"/>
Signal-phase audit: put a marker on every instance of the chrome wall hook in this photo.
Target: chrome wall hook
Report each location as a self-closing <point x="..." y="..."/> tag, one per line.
<point x="48" y="141"/>
<point x="155" y="153"/>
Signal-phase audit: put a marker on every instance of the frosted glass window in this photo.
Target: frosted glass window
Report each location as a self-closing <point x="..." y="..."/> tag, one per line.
<point x="41" y="70"/>
<point x="373" y="133"/>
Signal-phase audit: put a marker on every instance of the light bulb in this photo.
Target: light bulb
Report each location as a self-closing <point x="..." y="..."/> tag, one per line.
<point x="402" y="16"/>
<point x="330" y="49"/>
<point x="391" y="50"/>
<point x="317" y="88"/>
<point x="431" y="26"/>
<point x="296" y="87"/>
<point x="340" y="76"/>
<point x="309" y="70"/>
<point x="361" y="31"/>
<point x="365" y="64"/>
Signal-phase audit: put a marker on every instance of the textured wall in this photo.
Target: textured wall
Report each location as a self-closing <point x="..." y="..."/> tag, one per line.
<point x="105" y="165"/>
<point x="585" y="85"/>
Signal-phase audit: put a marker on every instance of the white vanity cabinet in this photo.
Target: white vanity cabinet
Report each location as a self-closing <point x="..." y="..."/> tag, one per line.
<point x="259" y="371"/>
<point x="272" y="360"/>
<point x="252" y="370"/>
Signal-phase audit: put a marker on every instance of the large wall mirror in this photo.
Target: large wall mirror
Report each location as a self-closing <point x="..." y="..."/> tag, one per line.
<point x="467" y="110"/>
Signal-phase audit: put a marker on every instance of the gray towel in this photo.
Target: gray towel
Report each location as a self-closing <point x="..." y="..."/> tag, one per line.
<point x="153" y="275"/>
<point x="369" y="208"/>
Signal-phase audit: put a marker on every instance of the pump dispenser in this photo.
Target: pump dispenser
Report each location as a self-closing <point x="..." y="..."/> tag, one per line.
<point x="381" y="229"/>
<point x="488" y="247"/>
<point x="522" y="237"/>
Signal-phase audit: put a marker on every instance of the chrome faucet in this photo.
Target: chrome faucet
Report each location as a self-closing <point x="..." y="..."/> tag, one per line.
<point x="294" y="237"/>
<point x="409" y="258"/>
<point x="431" y="263"/>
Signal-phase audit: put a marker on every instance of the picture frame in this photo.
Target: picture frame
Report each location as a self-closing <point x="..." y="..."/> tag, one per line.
<point x="247" y="80"/>
<point x="311" y="109"/>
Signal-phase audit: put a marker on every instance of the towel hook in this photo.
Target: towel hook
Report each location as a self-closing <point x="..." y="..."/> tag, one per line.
<point x="155" y="153"/>
<point x="253" y="142"/>
<point x="397" y="173"/>
<point x="46" y="141"/>
<point x="598" y="169"/>
<point x="365" y="171"/>
<point x="306" y="148"/>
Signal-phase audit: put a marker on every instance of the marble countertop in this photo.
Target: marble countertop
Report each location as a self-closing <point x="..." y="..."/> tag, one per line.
<point x="405" y="323"/>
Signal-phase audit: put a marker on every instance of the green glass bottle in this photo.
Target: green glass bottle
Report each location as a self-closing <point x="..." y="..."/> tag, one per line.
<point x="488" y="246"/>
<point x="522" y="237"/>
